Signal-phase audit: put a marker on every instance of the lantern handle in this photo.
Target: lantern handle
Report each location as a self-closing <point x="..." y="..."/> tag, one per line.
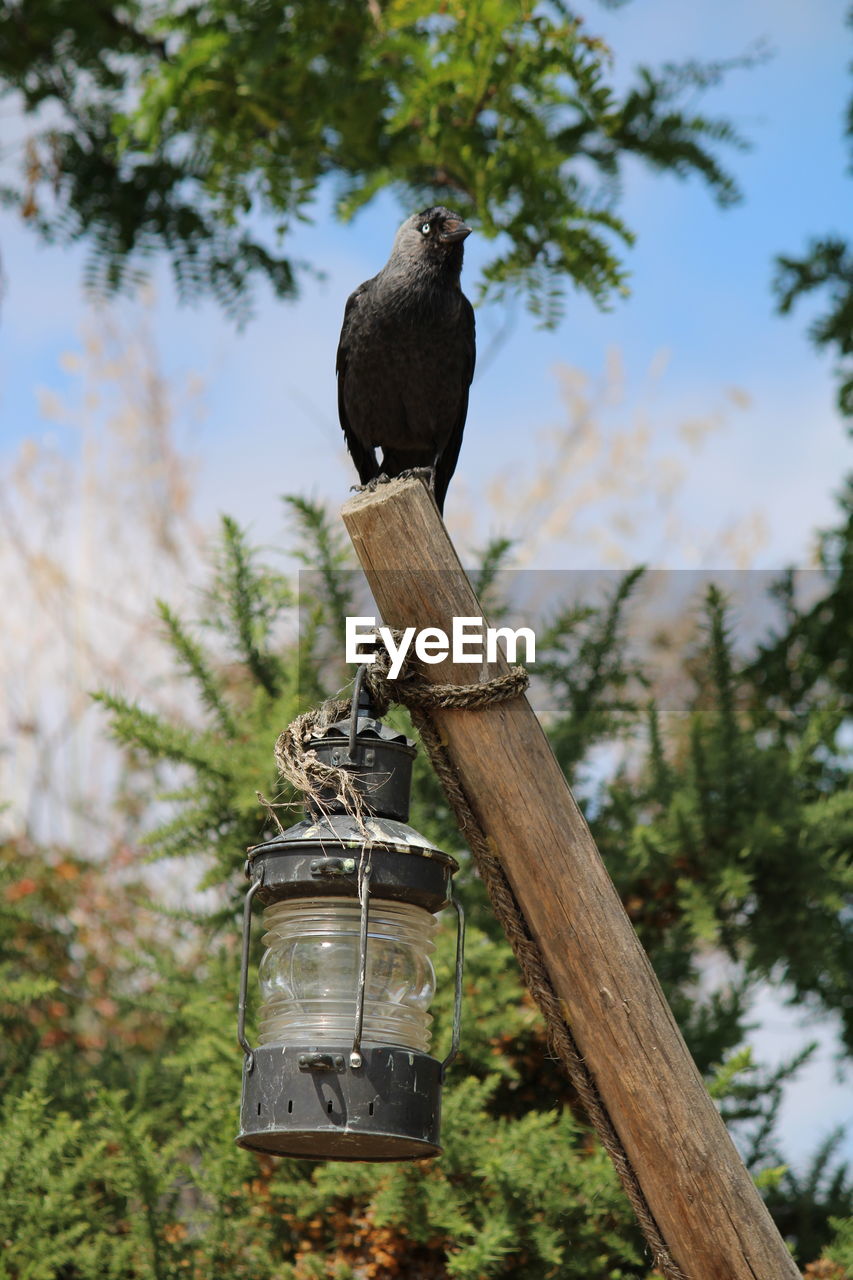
<point x="355" y="1058"/>
<point x="244" y="972"/>
<point x="457" y="996"/>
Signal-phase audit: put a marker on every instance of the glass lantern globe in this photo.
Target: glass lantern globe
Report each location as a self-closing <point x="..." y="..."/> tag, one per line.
<point x="308" y="974"/>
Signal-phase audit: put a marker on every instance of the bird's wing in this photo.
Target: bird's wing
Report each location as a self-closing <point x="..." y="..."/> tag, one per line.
<point x="449" y="456"/>
<point x="364" y="458"/>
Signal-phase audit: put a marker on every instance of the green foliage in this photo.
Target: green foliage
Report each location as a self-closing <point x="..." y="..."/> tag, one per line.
<point x="804" y="1205"/>
<point x="750" y="1097"/>
<point x="179" y="124"/>
<point x="825" y="270"/>
<point x="739" y="843"/>
<point x="512" y="1197"/>
<point x="582" y="659"/>
<point x="726" y="834"/>
<point x="45" y="1162"/>
<point x="245" y="603"/>
<point x="840" y="1251"/>
<point x="803" y="673"/>
<point x="326" y="590"/>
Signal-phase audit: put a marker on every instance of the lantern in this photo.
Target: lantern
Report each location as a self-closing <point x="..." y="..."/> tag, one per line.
<point x="342" y="1069"/>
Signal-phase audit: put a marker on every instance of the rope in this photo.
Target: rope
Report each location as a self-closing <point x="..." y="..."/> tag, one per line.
<point x="302" y="769"/>
<point x="417" y="694"/>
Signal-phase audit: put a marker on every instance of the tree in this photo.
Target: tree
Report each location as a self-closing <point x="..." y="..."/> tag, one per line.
<point x="171" y="128"/>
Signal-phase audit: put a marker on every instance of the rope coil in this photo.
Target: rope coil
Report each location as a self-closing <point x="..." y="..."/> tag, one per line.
<point x="418" y="695"/>
<point x="303" y="770"/>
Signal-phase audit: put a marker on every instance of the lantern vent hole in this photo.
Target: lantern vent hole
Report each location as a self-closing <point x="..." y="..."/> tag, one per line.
<point x="329" y="1106"/>
<point x="290" y="1106"/>
<point x="370" y="1109"/>
<point x="259" y="1108"/>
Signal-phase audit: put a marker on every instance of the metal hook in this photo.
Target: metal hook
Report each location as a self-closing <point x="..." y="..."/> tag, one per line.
<point x="353" y="724"/>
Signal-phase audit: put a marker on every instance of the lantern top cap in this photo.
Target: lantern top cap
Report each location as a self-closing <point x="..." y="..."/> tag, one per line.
<point x="368" y="727"/>
<point x="340" y="829"/>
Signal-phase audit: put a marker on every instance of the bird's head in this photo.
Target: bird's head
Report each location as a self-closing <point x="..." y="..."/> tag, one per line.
<point x="432" y="239"/>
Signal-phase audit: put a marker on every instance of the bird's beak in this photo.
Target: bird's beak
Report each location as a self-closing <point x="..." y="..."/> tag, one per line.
<point x="453" y="231"/>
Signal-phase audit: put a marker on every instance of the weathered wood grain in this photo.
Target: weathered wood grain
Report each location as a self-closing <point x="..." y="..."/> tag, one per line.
<point x="706" y="1206"/>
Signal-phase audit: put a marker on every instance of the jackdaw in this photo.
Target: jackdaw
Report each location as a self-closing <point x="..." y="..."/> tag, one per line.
<point x="406" y="356"/>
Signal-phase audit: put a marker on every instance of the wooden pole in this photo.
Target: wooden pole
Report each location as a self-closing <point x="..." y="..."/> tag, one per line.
<point x="708" y="1211"/>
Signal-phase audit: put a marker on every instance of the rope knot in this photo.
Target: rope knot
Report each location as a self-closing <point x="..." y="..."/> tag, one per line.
<point x="410" y="688"/>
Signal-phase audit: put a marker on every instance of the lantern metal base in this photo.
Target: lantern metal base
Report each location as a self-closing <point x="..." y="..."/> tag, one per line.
<point x="311" y="1104"/>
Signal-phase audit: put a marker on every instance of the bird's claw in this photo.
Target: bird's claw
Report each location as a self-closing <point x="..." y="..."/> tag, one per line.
<point x="419" y="473"/>
<point x="427" y="474"/>
<point x="372" y="485"/>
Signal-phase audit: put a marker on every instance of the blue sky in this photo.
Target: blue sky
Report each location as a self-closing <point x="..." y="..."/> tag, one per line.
<point x="700" y="281"/>
<point x="700" y="296"/>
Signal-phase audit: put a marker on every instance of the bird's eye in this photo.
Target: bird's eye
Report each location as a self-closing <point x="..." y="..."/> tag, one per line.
<point x="425" y="229"/>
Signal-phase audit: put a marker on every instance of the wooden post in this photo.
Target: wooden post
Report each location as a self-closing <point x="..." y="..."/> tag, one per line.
<point x="706" y="1206"/>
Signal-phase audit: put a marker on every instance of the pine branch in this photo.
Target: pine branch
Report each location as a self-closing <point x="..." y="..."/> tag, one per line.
<point x="322" y="549"/>
<point x="161" y="740"/>
<point x="253" y="601"/>
<point x="192" y="658"/>
<point x="661" y="775"/>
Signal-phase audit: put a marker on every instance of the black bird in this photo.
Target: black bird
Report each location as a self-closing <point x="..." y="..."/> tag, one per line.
<point x="406" y="356"/>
